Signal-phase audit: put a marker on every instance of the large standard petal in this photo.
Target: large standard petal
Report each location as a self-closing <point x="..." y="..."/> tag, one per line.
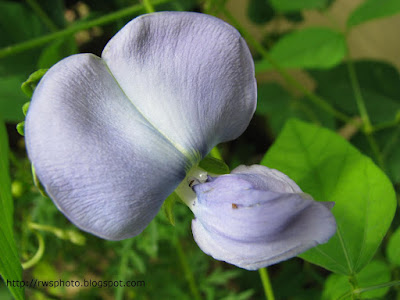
<point x="190" y="74"/>
<point x="245" y="220"/>
<point x="103" y="164"/>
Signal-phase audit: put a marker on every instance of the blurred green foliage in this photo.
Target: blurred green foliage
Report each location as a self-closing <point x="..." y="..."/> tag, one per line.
<point x="331" y="168"/>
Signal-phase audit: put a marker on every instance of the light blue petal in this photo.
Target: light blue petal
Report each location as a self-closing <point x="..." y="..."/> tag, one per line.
<point x="263" y="178"/>
<point x="111" y="138"/>
<point x="105" y="167"/>
<point x="191" y="74"/>
<point x="245" y="220"/>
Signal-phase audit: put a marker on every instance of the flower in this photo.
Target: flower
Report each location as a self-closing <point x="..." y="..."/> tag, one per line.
<point x="110" y="138"/>
<point x="256" y="216"/>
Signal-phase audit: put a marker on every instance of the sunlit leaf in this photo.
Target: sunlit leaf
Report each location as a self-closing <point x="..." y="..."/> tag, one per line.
<point x="393" y="248"/>
<point x="308" y="48"/>
<point x="373" y="9"/>
<point x="330" y="169"/>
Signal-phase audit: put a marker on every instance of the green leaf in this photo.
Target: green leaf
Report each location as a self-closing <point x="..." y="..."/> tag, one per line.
<point x="308" y="48"/>
<point x="373" y="9"/>
<point x="55" y="11"/>
<point x="290" y="5"/>
<point x="168" y="206"/>
<point x="11" y="98"/>
<point x="214" y="165"/>
<point x="278" y="105"/>
<point x="375" y="78"/>
<point x="148" y="242"/>
<point x="4" y="292"/>
<point x="6" y="206"/>
<point x="56" y="51"/>
<point x="17" y="24"/>
<point x="260" y="11"/>
<point x="137" y="261"/>
<point x="380" y="87"/>
<point x="375" y="273"/>
<point x="393" y="248"/>
<point x="21" y="128"/>
<point x="30" y="84"/>
<point x="328" y="168"/>
<point x="293" y="274"/>
<point x="294" y="17"/>
<point x="10" y="266"/>
<point x="25" y="108"/>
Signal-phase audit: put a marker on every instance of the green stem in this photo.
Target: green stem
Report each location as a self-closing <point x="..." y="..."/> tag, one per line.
<point x="38" y="255"/>
<point x="186" y="269"/>
<point x="378" y="286"/>
<point x="54" y="230"/>
<point x="386" y="125"/>
<point x="354" y="287"/>
<point x="375" y="149"/>
<point x="148" y="6"/>
<point x="70" y="235"/>
<point x="112" y="17"/>
<point x="322" y="103"/>
<point x="123" y="267"/>
<point x="269" y="293"/>
<point x="358" y="96"/>
<point x="367" y="127"/>
<point x="42" y="15"/>
<point x="391" y="143"/>
<point x="359" y="291"/>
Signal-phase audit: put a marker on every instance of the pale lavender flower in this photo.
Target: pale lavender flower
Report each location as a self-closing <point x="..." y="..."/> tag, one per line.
<point x="256" y="216"/>
<point x="111" y="137"/>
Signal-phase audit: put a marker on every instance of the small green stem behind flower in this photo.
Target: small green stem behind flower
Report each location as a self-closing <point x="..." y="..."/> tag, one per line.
<point x="269" y="293"/>
<point x="38" y="255"/>
<point x="187" y="271"/>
